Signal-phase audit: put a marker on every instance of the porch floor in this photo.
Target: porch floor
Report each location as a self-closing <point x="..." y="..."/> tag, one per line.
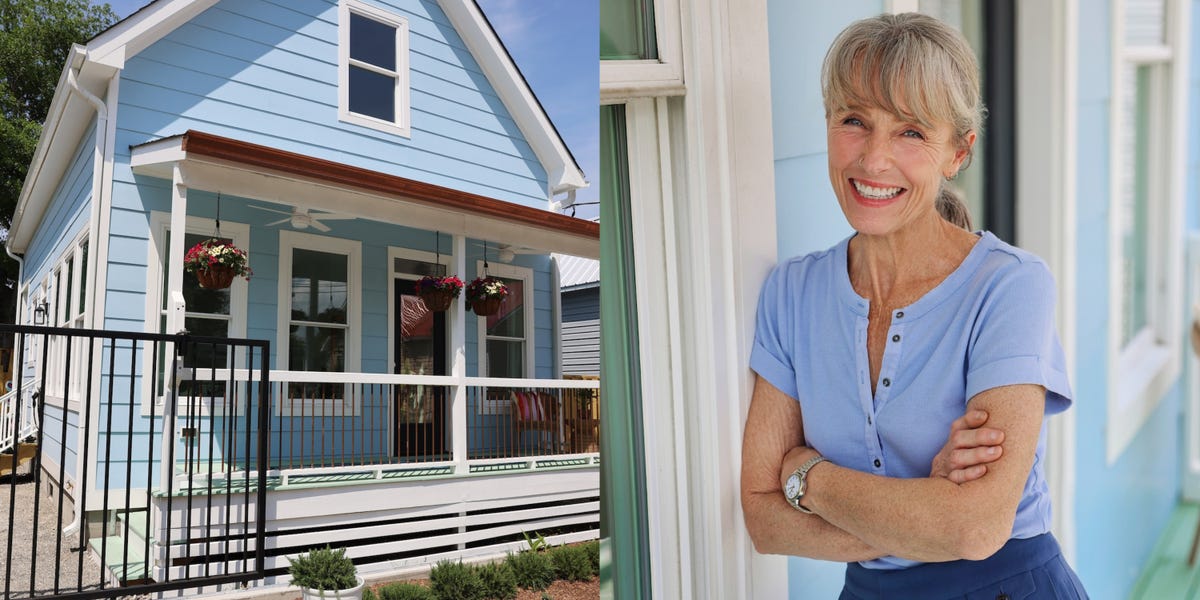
<point x="1166" y="574"/>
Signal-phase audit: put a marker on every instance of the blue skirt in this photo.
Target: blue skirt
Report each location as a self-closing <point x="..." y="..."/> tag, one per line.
<point x="1031" y="568"/>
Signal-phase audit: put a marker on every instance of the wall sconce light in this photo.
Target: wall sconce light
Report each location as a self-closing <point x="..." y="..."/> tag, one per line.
<point x="40" y="311"/>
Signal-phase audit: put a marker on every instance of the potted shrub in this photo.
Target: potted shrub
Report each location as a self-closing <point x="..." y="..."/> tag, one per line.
<point x="216" y="262"/>
<point x="485" y="295"/>
<point x="326" y="573"/>
<point x="437" y="292"/>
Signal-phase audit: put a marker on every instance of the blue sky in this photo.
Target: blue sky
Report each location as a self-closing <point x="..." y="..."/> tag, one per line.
<point x="556" y="45"/>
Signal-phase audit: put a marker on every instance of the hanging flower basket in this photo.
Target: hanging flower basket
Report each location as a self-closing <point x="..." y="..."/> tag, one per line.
<point x="438" y="292"/>
<point x="216" y="262"/>
<point x="486" y="294"/>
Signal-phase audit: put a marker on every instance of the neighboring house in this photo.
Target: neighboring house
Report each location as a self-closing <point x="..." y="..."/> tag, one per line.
<point x="351" y="147"/>
<point x="579" y="279"/>
<point x="1089" y="159"/>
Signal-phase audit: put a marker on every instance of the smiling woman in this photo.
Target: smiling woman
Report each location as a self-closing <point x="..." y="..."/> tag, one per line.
<point x="903" y="374"/>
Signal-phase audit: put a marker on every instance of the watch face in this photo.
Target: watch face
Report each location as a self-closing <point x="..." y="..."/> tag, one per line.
<point x="792" y="487"/>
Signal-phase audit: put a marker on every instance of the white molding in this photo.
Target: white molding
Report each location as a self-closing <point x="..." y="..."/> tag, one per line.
<point x="562" y="172"/>
<point x="1139" y="374"/>
<point x="625" y="80"/>
<point x="352" y="249"/>
<point x="402" y="125"/>
<point x="141" y="29"/>
<point x="1047" y="66"/>
<point x="525" y="274"/>
<point x="391" y="273"/>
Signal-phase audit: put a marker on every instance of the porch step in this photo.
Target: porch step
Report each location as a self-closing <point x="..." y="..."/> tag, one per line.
<point x="1166" y="573"/>
<point x="137" y="524"/>
<point x="12" y="462"/>
<point x="113" y="549"/>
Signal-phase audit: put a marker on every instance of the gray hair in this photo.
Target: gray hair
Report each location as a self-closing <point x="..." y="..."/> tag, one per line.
<point x="909" y="64"/>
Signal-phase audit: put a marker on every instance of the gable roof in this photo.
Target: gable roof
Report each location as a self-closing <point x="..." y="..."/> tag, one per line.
<point x="104" y="55"/>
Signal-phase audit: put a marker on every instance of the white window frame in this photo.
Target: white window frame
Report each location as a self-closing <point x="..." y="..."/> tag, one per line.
<point x="623" y="80"/>
<point x="488" y="405"/>
<point x="64" y="312"/>
<point x="1142" y="371"/>
<point x="156" y="279"/>
<point x="402" y="124"/>
<point x="352" y="249"/>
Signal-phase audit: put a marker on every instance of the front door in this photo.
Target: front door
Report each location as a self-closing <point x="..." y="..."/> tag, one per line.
<point x="420" y="338"/>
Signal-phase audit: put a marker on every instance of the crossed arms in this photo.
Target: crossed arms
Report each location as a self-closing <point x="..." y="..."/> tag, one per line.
<point x="965" y="509"/>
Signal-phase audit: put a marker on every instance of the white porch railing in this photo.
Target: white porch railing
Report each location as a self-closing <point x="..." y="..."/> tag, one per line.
<point x="336" y="423"/>
<point x="15" y="427"/>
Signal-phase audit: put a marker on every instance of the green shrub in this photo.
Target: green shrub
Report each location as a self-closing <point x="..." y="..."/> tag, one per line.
<point x="452" y="580"/>
<point x="323" y="569"/>
<point x="593" y="551"/>
<point x="404" y="591"/>
<point x="532" y="569"/>
<point x="499" y="583"/>
<point x="369" y="594"/>
<point x="571" y="563"/>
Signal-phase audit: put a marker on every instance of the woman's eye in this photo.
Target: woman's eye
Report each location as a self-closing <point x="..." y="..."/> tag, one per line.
<point x="852" y="121"/>
<point x="913" y="133"/>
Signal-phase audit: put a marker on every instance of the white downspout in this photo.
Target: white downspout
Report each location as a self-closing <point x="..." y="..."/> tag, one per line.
<point x="97" y="190"/>
<point x="20" y="283"/>
<point x="556" y="308"/>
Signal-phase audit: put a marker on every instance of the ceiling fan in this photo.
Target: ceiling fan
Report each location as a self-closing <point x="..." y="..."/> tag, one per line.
<point x="302" y="218"/>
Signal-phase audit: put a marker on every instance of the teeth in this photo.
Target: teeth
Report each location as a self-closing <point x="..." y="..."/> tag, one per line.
<point x="876" y="193"/>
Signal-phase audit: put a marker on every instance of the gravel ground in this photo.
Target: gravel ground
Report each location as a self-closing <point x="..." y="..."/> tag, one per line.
<point x="22" y="541"/>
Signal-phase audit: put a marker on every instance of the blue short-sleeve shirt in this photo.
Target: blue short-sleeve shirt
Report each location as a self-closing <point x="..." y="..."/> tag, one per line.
<point x="990" y="323"/>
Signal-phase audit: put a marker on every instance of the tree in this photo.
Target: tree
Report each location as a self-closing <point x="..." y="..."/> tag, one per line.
<point x="35" y="38"/>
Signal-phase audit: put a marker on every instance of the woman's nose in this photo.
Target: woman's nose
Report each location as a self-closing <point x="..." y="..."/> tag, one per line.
<point x="877" y="155"/>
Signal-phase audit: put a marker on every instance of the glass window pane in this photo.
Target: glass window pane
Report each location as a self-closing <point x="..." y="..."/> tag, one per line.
<point x="205" y="355"/>
<point x="68" y="299"/>
<point x="510" y="321"/>
<point x="1144" y="22"/>
<point x="83" y="278"/>
<point x="1135" y="202"/>
<point x="627" y="30"/>
<point x="372" y="94"/>
<point x="319" y="286"/>
<point x="372" y="42"/>
<point x="416" y="339"/>
<point x="505" y="358"/>
<point x="317" y="349"/>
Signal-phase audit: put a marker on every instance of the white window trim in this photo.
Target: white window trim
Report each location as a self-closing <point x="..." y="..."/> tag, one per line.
<point x="352" y="249"/>
<point x="394" y="252"/>
<point x="488" y="406"/>
<point x="156" y="279"/>
<point x="1140" y="373"/>
<point x="624" y="80"/>
<point x="64" y="313"/>
<point x="402" y="125"/>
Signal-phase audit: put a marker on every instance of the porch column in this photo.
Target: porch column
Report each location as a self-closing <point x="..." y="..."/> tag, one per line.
<point x="458" y="367"/>
<point x="175" y="303"/>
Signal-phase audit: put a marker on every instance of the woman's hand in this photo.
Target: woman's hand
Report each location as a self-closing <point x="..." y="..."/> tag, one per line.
<point x="969" y="447"/>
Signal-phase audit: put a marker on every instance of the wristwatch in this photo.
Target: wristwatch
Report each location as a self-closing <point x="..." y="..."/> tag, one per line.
<point x="797" y="482"/>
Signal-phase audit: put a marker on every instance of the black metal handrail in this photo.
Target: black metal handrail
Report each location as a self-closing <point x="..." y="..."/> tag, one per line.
<point x="126" y="418"/>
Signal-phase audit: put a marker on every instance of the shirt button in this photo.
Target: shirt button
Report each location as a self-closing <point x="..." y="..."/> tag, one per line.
<point x="886" y="382"/>
<point x="877" y="463"/>
<point x="896" y="338"/>
<point x="868" y="419"/>
<point x="900" y="315"/>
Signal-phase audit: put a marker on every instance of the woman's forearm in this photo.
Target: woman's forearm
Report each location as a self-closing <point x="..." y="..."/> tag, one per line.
<point x="777" y="528"/>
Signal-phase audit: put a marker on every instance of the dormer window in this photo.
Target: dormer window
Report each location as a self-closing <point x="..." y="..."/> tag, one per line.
<point x="373" y="68"/>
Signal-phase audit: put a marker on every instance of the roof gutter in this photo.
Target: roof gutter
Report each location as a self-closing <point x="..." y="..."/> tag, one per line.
<point x="97" y="191"/>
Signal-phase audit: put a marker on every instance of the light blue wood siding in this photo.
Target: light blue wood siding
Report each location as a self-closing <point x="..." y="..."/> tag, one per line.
<point x="67" y="215"/>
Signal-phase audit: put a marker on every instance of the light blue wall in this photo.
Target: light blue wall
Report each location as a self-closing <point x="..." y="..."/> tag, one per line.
<point x="808" y="217"/>
<point x="67" y="214"/>
<point x="1121" y="508"/>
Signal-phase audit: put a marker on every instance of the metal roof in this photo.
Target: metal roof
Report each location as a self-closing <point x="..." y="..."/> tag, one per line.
<point x="575" y="271"/>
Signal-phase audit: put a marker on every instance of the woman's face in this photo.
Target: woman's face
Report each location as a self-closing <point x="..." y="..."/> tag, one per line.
<point x="886" y="170"/>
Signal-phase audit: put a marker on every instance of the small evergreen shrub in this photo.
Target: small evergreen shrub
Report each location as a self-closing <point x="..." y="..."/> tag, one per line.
<point x="532" y="569"/>
<point x="593" y="551"/>
<point x="323" y="569"/>
<point x="499" y="582"/>
<point x="452" y="580"/>
<point x="571" y="563"/>
<point x="369" y="594"/>
<point x="405" y="591"/>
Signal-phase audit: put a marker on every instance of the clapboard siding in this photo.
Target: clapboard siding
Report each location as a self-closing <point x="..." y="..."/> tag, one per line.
<point x="67" y="215"/>
<point x="267" y="73"/>
<point x="582" y="304"/>
<point x="581" y="347"/>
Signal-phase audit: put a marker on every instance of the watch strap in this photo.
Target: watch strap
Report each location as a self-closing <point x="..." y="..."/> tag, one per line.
<point x="802" y="473"/>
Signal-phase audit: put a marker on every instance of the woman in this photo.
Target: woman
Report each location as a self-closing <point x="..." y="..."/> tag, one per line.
<point x="869" y="352"/>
